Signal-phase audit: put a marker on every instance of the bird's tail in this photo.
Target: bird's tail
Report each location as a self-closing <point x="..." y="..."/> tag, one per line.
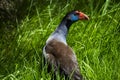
<point x="77" y="76"/>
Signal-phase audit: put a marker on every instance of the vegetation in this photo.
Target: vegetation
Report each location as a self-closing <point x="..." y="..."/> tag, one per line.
<point x="96" y="42"/>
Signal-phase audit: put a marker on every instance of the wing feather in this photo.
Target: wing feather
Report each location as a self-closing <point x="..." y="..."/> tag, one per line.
<point x="59" y="54"/>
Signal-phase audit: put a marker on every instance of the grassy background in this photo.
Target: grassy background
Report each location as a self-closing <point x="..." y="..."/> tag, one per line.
<point x="96" y="42"/>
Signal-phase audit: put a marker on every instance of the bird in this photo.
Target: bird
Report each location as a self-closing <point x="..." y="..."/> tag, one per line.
<point x="58" y="53"/>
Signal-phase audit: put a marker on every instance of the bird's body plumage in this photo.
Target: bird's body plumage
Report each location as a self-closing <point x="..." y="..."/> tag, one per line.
<point x="61" y="55"/>
<point x="58" y="54"/>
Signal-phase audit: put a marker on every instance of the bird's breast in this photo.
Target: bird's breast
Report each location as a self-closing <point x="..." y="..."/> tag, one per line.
<point x="57" y="37"/>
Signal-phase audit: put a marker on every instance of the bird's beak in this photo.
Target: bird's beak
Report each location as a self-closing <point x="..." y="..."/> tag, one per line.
<point x="83" y="16"/>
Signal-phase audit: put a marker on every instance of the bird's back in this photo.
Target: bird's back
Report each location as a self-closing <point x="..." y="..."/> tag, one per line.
<point x="64" y="57"/>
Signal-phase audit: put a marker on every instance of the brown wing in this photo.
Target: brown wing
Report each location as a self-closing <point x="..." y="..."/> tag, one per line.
<point x="63" y="56"/>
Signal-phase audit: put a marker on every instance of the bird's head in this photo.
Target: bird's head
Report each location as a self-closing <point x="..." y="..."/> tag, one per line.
<point x="76" y="15"/>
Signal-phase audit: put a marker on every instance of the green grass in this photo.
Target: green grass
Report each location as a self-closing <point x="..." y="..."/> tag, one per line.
<point x="96" y="43"/>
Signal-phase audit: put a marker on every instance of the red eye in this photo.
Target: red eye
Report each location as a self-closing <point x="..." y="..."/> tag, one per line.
<point x="76" y="14"/>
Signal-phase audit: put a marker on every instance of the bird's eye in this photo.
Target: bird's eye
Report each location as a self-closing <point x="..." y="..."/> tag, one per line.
<point x="76" y="14"/>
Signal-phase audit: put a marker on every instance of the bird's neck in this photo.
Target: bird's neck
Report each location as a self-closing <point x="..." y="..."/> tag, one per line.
<point x="64" y="26"/>
<point x="61" y="32"/>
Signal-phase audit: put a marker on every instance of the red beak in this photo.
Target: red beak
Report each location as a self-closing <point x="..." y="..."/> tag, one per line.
<point x="82" y="16"/>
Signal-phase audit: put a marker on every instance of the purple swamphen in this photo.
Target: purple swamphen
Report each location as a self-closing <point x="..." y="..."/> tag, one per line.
<point x="57" y="52"/>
